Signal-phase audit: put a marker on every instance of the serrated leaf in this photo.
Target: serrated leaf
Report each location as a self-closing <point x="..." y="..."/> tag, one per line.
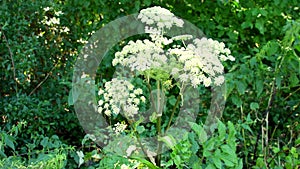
<point x="221" y="130"/>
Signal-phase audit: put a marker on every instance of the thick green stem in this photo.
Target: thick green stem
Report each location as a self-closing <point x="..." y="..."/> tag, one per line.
<point x="158" y="125"/>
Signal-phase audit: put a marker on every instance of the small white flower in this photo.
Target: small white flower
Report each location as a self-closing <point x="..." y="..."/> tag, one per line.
<point x="100" y="102"/>
<point x="138" y="91"/>
<point x="119" y="127"/>
<point x="132" y="95"/>
<point x="100" y="109"/>
<point x="124" y="166"/>
<point x="58" y="13"/>
<point x="182" y="37"/>
<point x="46" y="9"/>
<point x="143" y="99"/>
<point x="106" y="105"/>
<point x="107" y="112"/>
<point x="136" y="101"/>
<point x="207" y="81"/>
<point x="219" y="80"/>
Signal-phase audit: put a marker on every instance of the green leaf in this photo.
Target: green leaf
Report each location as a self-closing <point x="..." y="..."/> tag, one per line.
<point x="177" y="160"/>
<point x="169" y="140"/>
<point x="254" y="106"/>
<point x="259" y="87"/>
<point x="259" y="24"/>
<point x="199" y="130"/>
<point x="210" y="166"/>
<point x="216" y="158"/>
<point x="172" y="100"/>
<point x="9" y="141"/>
<point x="225" y="148"/>
<point x="241" y="87"/>
<point x="221" y="130"/>
<point x="80" y="158"/>
<point x="217" y="162"/>
<point x="294" y="81"/>
<point x="247" y="24"/>
<point x="144" y="161"/>
<point x="236" y="100"/>
<point x="140" y="129"/>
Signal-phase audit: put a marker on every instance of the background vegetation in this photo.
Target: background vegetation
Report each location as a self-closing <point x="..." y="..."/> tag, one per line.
<point x="40" y="41"/>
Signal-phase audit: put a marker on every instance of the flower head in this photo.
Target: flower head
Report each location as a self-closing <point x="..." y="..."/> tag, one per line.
<point x="119" y="95"/>
<point x="159" y="17"/>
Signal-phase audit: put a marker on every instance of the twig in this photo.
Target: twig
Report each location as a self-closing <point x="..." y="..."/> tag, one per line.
<point x="48" y="74"/>
<point x="173" y="112"/>
<point x="12" y="60"/>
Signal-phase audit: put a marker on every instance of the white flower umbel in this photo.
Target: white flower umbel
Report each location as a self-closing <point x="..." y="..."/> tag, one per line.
<point x="200" y="62"/>
<point x="120" y="95"/>
<point x="141" y="55"/>
<point x="160" y="18"/>
<point x="119" y="127"/>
